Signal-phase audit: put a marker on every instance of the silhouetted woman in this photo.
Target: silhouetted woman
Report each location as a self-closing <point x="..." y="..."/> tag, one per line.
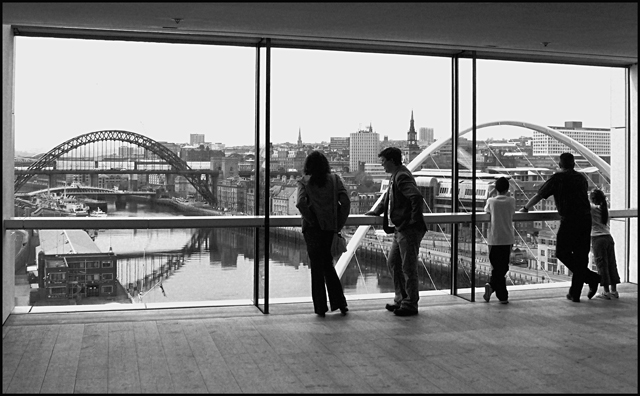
<point x="603" y="246"/>
<point x="322" y="217"/>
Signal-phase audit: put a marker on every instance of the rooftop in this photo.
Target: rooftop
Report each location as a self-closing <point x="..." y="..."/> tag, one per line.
<point x="66" y="242"/>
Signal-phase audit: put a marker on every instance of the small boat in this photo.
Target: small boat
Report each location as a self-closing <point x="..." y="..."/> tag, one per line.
<point x="98" y="213"/>
<point x="74" y="208"/>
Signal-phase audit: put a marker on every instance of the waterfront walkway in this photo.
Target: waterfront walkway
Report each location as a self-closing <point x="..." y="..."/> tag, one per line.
<point x="539" y="343"/>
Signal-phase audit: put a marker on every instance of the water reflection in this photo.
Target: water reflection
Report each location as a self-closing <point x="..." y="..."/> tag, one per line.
<point x="218" y="264"/>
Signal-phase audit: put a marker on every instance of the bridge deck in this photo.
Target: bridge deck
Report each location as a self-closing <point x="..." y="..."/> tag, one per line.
<point x="83" y="191"/>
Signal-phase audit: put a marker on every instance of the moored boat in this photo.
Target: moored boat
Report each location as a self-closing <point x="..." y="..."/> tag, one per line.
<point x="98" y="213"/>
<point x="53" y="205"/>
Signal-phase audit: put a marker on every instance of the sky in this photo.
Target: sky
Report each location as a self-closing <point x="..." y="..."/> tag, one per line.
<point x="66" y="87"/>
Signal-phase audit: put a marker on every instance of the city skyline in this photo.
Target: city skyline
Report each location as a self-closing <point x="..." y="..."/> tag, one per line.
<point x="66" y="88"/>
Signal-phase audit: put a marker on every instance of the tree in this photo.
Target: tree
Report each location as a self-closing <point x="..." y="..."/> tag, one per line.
<point x="365" y="182"/>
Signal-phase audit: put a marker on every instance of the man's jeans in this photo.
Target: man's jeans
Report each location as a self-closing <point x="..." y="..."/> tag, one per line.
<point x="403" y="264"/>
<point x="572" y="248"/>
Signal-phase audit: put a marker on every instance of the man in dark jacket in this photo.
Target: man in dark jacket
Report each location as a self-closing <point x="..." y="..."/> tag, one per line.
<point x="402" y="209"/>
<point x="569" y="190"/>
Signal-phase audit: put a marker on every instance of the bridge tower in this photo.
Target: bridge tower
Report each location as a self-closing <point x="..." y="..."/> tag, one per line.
<point x="170" y="182"/>
<point x="133" y="183"/>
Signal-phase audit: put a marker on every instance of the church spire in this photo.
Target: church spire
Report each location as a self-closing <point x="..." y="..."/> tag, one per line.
<point x="299" y="137"/>
<point x="412" y="143"/>
<point x="412" y="135"/>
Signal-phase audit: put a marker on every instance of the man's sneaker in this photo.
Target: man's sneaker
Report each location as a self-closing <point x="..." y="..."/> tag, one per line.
<point x="614" y="294"/>
<point x="593" y="289"/>
<point x="604" y="296"/>
<point x="487" y="292"/>
<point x="504" y="301"/>
<point x="405" y="312"/>
<point x="392" y="307"/>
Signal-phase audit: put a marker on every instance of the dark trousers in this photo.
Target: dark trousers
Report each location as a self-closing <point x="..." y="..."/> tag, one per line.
<point x="403" y="265"/>
<point x="573" y="245"/>
<point x="322" y="271"/>
<point x="604" y="253"/>
<point x="499" y="256"/>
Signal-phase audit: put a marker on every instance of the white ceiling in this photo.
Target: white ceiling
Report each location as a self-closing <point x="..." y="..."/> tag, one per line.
<point x="589" y="33"/>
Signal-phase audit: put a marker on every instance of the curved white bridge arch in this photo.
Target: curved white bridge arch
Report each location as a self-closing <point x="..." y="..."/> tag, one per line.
<point x="593" y="159"/>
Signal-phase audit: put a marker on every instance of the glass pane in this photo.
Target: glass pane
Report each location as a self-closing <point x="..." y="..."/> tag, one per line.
<point x="528" y="114"/>
<point x="153" y="267"/>
<point x="130" y="129"/>
<point x="351" y="106"/>
<point x="163" y="121"/>
<point x="262" y="236"/>
<point x="366" y="274"/>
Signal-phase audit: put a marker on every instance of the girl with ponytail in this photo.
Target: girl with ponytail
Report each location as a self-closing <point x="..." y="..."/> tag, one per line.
<point x="603" y="246"/>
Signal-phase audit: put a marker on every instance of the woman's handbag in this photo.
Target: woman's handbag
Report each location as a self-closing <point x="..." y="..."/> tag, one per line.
<point x="339" y="244"/>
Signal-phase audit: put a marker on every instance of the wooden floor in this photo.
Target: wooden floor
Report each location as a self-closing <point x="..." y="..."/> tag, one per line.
<point x="539" y="343"/>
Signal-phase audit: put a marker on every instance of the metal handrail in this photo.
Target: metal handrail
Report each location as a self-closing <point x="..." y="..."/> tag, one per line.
<point x="81" y="223"/>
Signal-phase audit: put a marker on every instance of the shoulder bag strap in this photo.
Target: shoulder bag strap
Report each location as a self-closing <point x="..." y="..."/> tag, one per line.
<point x="335" y="200"/>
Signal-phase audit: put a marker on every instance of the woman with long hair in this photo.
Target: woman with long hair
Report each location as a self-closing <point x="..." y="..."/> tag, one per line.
<point x="322" y="217"/>
<point x="603" y="246"/>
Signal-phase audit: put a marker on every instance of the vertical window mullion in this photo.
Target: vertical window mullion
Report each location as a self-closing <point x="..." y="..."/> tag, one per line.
<point x="267" y="173"/>
<point x="473" y="178"/>
<point x="454" y="171"/>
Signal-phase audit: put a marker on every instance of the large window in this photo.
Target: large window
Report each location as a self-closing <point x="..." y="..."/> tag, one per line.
<point x="123" y="107"/>
<point x="524" y="111"/>
<point x="117" y="121"/>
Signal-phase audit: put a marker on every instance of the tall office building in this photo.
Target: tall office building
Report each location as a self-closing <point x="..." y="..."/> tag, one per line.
<point x="597" y="140"/>
<point x="425" y="136"/>
<point x="364" y="146"/>
<point x="196" y="139"/>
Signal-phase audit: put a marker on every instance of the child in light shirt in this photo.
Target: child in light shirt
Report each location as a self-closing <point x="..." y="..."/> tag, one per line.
<point x="603" y="245"/>
<point x="500" y="240"/>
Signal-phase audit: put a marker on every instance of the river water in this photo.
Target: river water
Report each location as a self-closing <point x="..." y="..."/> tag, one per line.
<point x="190" y="265"/>
<point x="217" y="264"/>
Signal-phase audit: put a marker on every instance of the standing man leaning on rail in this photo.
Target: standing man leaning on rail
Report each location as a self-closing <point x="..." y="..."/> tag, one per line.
<point x="569" y="190"/>
<point x="402" y="209"/>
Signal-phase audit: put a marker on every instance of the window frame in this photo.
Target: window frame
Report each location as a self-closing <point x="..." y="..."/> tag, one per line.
<point x="267" y="220"/>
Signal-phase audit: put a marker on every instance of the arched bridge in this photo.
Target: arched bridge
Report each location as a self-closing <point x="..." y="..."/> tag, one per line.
<point x="48" y="160"/>
<point x="589" y="155"/>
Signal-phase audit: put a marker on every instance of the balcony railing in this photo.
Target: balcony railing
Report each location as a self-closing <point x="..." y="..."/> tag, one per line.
<point x="80" y="223"/>
<point x="214" y="222"/>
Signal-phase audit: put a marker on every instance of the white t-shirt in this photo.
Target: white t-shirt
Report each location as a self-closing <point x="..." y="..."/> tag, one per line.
<point x="502" y="209"/>
<point x="597" y="227"/>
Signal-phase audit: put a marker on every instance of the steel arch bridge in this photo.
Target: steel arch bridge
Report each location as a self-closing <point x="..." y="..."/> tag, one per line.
<point x="123" y="136"/>
<point x="593" y="159"/>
